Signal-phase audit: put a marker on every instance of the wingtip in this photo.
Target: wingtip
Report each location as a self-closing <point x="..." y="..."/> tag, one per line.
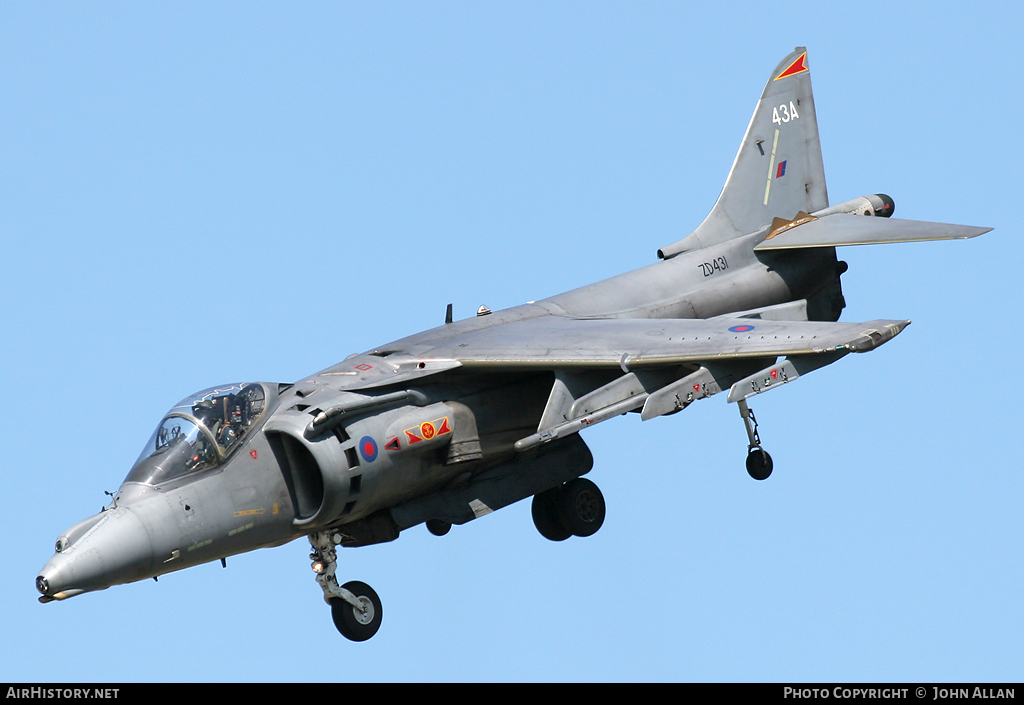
<point x="894" y="328"/>
<point x="877" y="336"/>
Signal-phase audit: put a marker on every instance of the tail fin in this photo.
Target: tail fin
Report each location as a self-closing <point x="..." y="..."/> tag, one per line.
<point x="778" y="170"/>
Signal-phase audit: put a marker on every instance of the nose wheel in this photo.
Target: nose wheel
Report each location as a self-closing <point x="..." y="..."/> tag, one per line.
<point x="355" y="607"/>
<point x="361" y="622"/>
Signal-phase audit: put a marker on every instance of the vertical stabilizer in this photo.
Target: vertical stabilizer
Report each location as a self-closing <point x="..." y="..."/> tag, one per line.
<point x="778" y="170"/>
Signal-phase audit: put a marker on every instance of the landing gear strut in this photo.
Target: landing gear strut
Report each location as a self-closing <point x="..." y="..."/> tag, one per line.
<point x="759" y="463"/>
<point x="355" y="607"/>
<point x="574" y="509"/>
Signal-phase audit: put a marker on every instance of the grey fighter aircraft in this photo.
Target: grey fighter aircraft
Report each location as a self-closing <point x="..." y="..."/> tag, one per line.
<point x="448" y="425"/>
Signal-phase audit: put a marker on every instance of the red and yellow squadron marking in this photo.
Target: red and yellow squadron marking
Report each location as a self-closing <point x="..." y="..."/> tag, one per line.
<point x="425" y="431"/>
<point x="798" y="66"/>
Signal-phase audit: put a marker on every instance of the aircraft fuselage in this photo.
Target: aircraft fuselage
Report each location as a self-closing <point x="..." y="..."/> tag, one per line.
<point x="250" y="501"/>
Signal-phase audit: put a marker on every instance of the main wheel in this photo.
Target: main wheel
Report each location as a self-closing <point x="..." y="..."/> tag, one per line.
<point x="759" y="464"/>
<point x="353" y="624"/>
<point x="545" y="515"/>
<point x="581" y="507"/>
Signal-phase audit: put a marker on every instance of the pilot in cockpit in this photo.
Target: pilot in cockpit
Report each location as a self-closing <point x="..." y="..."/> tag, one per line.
<point x="208" y="413"/>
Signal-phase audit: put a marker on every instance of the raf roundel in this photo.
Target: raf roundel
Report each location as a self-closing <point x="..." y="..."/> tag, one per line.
<point x="741" y="329"/>
<point x="368" y="447"/>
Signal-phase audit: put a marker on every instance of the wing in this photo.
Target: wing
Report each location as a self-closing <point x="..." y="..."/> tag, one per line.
<point x="553" y="342"/>
<point x="606" y="367"/>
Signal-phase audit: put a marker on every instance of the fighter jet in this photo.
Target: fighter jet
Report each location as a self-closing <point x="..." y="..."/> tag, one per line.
<point x="450" y="424"/>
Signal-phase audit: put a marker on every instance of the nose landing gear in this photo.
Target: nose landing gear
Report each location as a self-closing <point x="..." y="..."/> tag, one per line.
<point x="355" y="607"/>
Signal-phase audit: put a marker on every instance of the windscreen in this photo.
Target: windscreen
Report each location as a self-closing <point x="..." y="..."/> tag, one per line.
<point x="199" y="432"/>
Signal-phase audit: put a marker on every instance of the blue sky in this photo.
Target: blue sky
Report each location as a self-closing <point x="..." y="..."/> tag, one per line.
<point x="198" y="193"/>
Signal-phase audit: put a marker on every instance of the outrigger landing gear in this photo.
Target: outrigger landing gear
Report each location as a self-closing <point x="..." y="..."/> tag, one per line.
<point x="355" y="607"/>
<point x="759" y="463"/>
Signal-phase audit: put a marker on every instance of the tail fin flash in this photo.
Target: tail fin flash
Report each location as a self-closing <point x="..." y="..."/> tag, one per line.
<point x="778" y="170"/>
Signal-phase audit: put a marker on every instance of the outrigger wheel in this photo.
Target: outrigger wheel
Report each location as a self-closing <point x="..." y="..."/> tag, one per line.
<point x="759" y="463"/>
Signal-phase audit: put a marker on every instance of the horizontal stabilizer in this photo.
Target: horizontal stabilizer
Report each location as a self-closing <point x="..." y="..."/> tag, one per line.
<point x="845" y="229"/>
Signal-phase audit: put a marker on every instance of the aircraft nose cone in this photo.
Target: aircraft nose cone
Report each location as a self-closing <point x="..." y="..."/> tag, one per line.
<point x="115" y="550"/>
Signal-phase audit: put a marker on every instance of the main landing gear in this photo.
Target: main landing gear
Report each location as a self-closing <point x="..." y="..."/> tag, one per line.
<point x="355" y="607"/>
<point x="573" y="509"/>
<point x="759" y="463"/>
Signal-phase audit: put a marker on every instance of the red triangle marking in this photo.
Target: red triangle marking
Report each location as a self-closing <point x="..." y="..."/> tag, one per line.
<point x="796" y="67"/>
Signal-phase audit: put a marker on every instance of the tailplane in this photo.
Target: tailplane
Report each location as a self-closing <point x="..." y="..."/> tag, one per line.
<point x="778" y="170"/>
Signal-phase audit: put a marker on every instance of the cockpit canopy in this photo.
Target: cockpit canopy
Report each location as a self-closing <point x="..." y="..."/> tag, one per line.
<point x="200" y="432"/>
